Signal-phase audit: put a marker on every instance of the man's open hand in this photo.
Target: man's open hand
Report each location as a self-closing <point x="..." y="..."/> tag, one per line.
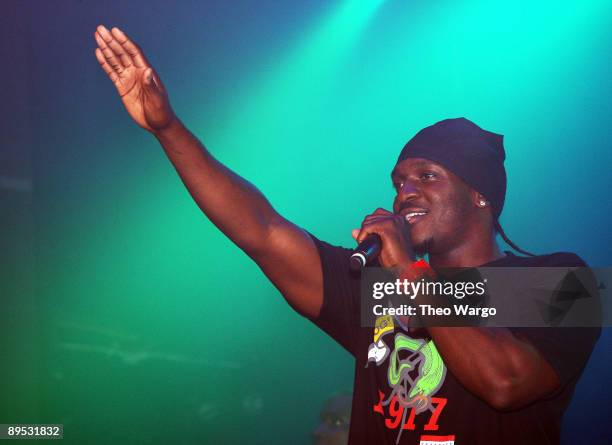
<point x="140" y="88"/>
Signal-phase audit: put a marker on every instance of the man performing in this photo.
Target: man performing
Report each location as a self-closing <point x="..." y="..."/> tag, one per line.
<point x="463" y="385"/>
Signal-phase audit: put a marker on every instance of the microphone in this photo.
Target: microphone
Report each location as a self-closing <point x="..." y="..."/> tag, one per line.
<point x="366" y="251"/>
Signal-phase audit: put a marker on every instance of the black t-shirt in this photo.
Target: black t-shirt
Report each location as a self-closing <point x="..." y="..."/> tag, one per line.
<point x="390" y="363"/>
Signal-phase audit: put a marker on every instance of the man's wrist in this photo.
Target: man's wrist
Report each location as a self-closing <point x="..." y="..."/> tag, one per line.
<point x="169" y="131"/>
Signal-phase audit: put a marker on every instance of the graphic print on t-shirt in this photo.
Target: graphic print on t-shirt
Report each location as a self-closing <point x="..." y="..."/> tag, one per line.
<point x="415" y="372"/>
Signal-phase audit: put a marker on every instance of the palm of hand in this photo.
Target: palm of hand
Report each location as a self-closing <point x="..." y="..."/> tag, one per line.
<point x="141" y="91"/>
<point x="130" y="87"/>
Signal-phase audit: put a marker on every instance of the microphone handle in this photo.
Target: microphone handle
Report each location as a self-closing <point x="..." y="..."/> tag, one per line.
<point x="366" y="251"/>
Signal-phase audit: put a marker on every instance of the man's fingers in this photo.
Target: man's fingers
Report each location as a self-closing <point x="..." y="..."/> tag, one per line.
<point x="381" y="211"/>
<point x="114" y="46"/>
<point x="130" y="47"/>
<point x="355" y="233"/>
<point x="367" y="227"/>
<point x="379" y="219"/>
<point x="107" y="69"/>
<point x="377" y="222"/>
<point x="370" y="218"/>
<point x="370" y="223"/>
<point x="378" y="215"/>
<point x="108" y="54"/>
<point x="125" y="59"/>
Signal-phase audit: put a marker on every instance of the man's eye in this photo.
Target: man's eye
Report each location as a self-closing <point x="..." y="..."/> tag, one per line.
<point x="428" y="176"/>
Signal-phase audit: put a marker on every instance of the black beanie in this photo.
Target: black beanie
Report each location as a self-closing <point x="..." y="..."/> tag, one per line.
<point x="475" y="155"/>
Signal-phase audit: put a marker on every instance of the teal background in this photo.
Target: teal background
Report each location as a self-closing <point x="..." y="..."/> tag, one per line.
<point x="130" y="319"/>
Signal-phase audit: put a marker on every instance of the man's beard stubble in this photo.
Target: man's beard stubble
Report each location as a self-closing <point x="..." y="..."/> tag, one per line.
<point x="424" y="247"/>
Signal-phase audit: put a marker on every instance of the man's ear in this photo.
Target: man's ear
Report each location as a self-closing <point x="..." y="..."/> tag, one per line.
<point x="480" y="201"/>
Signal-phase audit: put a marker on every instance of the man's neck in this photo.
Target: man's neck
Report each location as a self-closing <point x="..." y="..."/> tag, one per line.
<point x="471" y="253"/>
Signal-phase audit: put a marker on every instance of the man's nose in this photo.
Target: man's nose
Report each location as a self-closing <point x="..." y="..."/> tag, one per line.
<point x="407" y="191"/>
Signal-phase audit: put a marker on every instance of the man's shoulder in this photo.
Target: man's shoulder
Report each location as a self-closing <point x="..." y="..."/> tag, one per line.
<point x="555" y="259"/>
<point x="562" y="259"/>
<point x="328" y="249"/>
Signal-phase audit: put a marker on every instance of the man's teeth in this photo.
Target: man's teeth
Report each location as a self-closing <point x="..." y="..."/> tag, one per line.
<point x="413" y="214"/>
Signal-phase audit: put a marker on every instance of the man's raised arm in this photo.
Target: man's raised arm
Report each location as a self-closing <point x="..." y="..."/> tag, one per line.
<point x="285" y="253"/>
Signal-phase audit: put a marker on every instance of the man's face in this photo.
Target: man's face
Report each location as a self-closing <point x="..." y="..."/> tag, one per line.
<point x="437" y="204"/>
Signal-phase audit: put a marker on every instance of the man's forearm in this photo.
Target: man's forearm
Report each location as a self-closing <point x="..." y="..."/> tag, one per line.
<point x="492" y="363"/>
<point x="233" y="204"/>
<point x="496" y="366"/>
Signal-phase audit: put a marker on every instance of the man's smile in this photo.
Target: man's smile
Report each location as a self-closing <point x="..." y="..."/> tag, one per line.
<point x="412" y="215"/>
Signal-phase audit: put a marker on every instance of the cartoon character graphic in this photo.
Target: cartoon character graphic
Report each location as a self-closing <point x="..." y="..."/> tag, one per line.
<point x="415" y="371"/>
<point x="379" y="351"/>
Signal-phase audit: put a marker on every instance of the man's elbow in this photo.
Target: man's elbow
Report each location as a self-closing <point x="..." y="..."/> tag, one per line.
<point x="511" y="394"/>
<point x="502" y="395"/>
